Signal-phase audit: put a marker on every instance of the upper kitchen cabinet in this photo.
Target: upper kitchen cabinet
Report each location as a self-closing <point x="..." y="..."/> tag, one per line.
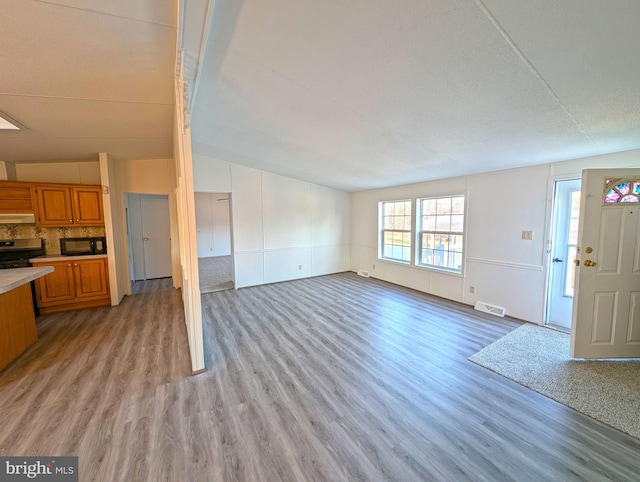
<point x="87" y="205"/>
<point x="69" y="205"/>
<point x="15" y="198"/>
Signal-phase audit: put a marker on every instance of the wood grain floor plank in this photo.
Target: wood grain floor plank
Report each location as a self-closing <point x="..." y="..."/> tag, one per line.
<point x="329" y="378"/>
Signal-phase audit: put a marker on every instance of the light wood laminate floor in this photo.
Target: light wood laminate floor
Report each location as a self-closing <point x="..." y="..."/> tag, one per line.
<point x="329" y="378"/>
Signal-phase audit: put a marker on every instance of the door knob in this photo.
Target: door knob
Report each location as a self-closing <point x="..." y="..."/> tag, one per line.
<point x="557" y="260"/>
<point x="588" y="262"/>
<point x="145" y="239"/>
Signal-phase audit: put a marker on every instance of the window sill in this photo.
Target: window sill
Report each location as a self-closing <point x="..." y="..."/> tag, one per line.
<point x="395" y="261"/>
<point x="423" y="268"/>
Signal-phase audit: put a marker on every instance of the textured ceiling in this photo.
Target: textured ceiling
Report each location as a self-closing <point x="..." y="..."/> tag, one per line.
<point x="87" y="76"/>
<point x="363" y="94"/>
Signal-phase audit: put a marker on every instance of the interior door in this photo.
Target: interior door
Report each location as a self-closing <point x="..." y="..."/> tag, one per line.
<point x="156" y="235"/>
<point x="606" y="311"/>
<point x="563" y="252"/>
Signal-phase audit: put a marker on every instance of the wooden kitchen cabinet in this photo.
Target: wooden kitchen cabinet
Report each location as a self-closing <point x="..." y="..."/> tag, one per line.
<point x="16" y="197"/>
<point x="17" y="323"/>
<point x="91" y="278"/>
<point x="87" y="205"/>
<point x="74" y="285"/>
<point x="57" y="287"/>
<point x="69" y="205"/>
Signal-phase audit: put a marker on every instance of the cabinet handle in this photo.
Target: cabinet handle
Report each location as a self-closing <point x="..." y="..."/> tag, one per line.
<point x="69" y="265"/>
<point x="71" y="221"/>
<point x="76" y="264"/>
<point x="77" y="220"/>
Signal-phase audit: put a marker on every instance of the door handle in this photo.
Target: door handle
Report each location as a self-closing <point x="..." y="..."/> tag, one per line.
<point x="557" y="260"/>
<point x="588" y="262"/>
<point x="145" y="239"/>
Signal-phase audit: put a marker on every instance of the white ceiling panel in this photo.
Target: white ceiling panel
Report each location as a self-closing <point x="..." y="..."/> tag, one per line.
<point x="152" y="11"/>
<point x="406" y="88"/>
<point x="87" y="76"/>
<point x="67" y="52"/>
<point x="587" y="53"/>
<point x="353" y="94"/>
<point x="61" y="148"/>
<point x="83" y="118"/>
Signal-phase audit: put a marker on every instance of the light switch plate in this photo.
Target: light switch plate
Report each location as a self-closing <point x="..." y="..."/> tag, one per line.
<point x="527" y="235"/>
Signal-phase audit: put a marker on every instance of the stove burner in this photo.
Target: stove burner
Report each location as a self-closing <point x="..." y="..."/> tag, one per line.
<point x="16" y="253"/>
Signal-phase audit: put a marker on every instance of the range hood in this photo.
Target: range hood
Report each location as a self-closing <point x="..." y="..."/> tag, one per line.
<point x="17" y="219"/>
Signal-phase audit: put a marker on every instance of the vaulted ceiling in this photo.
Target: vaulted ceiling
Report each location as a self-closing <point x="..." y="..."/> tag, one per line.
<point x="359" y="94"/>
<point x="350" y="94"/>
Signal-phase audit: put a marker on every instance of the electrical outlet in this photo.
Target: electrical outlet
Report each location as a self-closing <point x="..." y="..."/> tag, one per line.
<point x="527" y="235"/>
<point x="299" y="266"/>
<point x="472" y="289"/>
<point x="374" y="266"/>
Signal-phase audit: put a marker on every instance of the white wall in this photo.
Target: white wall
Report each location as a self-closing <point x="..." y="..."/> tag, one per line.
<point x="283" y="228"/>
<point x="213" y="223"/>
<point x="151" y="176"/>
<point x="504" y="269"/>
<point x="74" y="172"/>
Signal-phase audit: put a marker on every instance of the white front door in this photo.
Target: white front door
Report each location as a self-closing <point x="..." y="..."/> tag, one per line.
<point x="606" y="311"/>
<point x="563" y="252"/>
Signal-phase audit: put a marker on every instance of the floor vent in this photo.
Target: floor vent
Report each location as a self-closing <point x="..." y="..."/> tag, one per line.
<point x="363" y="273"/>
<point x="491" y="309"/>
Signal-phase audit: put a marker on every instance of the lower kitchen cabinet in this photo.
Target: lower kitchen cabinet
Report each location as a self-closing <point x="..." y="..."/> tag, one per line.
<point x="73" y="285"/>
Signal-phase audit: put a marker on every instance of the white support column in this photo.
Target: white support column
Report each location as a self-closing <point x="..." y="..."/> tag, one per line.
<point x="187" y="221"/>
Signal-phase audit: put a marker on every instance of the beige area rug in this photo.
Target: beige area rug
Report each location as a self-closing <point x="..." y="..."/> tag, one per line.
<point x="538" y="358"/>
<point x="215" y="274"/>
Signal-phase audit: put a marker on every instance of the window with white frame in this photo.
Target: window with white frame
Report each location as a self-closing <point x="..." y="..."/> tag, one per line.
<point x="440" y="232"/>
<point x="395" y="232"/>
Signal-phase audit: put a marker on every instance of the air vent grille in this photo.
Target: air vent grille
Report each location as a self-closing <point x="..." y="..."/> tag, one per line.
<point x="489" y="308"/>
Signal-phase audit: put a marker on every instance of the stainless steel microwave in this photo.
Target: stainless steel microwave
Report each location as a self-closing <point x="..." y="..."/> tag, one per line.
<point x="80" y="246"/>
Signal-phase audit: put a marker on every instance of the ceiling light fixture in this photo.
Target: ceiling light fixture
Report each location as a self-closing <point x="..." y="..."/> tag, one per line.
<point x="6" y="124"/>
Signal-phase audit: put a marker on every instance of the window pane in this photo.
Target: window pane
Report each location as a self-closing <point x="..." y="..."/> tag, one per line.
<point x="570" y="274"/>
<point x="388" y="237"/>
<point x="428" y="223"/>
<point x="455" y="243"/>
<point x="443" y="205"/>
<point x="457" y="223"/>
<point x="388" y="222"/>
<point x="428" y="206"/>
<point x="443" y="223"/>
<point x="457" y="205"/>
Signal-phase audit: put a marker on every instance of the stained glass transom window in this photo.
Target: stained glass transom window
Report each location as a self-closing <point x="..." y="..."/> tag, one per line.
<point x="622" y="191"/>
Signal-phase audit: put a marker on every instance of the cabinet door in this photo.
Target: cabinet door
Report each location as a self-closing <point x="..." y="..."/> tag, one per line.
<point x="91" y="278"/>
<point x="56" y="287"/>
<point x="54" y="205"/>
<point x="87" y="205"/>
<point x="15" y="197"/>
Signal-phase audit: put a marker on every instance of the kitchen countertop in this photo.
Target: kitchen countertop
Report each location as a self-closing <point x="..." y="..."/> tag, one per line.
<point x="58" y="257"/>
<point x="12" y="278"/>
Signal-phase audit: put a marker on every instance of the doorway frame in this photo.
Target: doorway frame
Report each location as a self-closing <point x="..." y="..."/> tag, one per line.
<point x="231" y="226"/>
<point x="549" y="233"/>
